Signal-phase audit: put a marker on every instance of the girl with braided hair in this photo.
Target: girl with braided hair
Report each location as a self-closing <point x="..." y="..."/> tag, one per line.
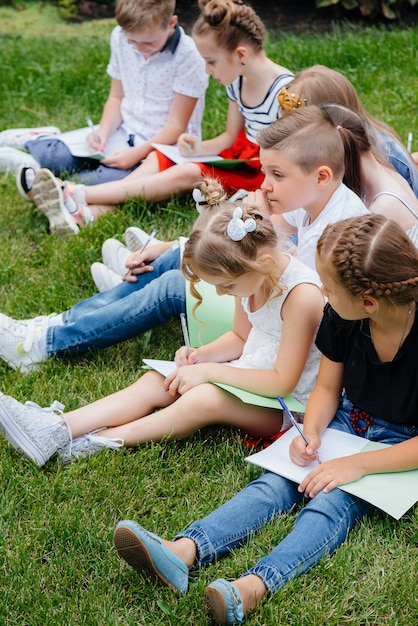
<point x="230" y="37"/>
<point x="367" y="385"/>
<point x="269" y="350"/>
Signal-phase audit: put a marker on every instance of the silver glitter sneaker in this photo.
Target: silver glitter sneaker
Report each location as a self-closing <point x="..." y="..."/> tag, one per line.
<point x="85" y="446"/>
<point x="35" y="432"/>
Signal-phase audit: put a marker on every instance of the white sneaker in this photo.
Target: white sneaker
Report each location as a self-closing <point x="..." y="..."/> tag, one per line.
<point x="19" y="343"/>
<point x="114" y="255"/>
<point x="85" y="446"/>
<point x="34" y="432"/>
<point x="104" y="278"/>
<point x="25" y="176"/>
<point x="11" y="159"/>
<point x="136" y="238"/>
<point x="17" y="137"/>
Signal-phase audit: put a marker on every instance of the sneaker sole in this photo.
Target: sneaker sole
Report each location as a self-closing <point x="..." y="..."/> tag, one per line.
<point x="47" y="195"/>
<point x="19" y="439"/>
<point x="134" y="552"/>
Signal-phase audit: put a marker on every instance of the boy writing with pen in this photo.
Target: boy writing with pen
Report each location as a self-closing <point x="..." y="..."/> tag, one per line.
<point x="158" y="84"/>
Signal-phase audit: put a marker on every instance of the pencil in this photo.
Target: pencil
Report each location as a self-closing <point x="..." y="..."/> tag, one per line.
<point x="154" y="232"/>
<point x="185" y="333"/>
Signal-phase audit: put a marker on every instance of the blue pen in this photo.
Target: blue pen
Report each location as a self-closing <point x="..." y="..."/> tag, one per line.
<point x="294" y="422"/>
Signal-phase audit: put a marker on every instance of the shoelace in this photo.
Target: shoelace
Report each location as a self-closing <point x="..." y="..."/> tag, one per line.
<point x="113" y="444"/>
<point x="107" y="442"/>
<point x="57" y="408"/>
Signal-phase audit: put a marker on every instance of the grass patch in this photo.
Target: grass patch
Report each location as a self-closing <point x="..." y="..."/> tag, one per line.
<point x="59" y="566"/>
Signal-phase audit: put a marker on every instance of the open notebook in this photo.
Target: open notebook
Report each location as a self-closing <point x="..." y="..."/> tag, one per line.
<point x="76" y="140"/>
<point x="172" y="153"/>
<point x="393" y="492"/>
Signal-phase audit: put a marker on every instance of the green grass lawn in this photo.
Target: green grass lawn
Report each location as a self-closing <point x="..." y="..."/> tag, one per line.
<point x="58" y="564"/>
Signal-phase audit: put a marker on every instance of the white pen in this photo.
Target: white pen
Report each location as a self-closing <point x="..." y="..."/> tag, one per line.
<point x="294" y="422"/>
<point x="154" y="232"/>
<point x="409" y="144"/>
<point x="93" y="130"/>
<point x="185" y="333"/>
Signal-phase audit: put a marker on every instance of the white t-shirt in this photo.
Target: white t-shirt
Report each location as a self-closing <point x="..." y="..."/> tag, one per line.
<point x="343" y="204"/>
<point x="149" y="85"/>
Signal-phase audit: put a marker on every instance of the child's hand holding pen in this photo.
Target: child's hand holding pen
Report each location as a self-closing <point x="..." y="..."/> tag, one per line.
<point x="189" y="145"/>
<point x="137" y="261"/>
<point x="93" y="139"/>
<point x="302" y="451"/>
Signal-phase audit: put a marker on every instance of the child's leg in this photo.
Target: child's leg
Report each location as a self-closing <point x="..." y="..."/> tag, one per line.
<point x="202" y="406"/>
<point x="155" y="187"/>
<point x="131" y="403"/>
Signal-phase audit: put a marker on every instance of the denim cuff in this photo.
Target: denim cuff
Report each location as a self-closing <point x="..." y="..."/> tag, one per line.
<point x="205" y="548"/>
<point x="271" y="578"/>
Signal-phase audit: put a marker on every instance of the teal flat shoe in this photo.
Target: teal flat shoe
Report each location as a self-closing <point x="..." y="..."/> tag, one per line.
<point x="145" y="552"/>
<point x="224" y="602"/>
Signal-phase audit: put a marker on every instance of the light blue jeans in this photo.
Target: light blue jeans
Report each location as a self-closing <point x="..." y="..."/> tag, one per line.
<point x="123" y="312"/>
<point x="321" y="525"/>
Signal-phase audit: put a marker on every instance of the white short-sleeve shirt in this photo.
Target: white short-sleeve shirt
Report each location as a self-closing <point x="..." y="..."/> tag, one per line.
<point x="343" y="203"/>
<point x="149" y="85"/>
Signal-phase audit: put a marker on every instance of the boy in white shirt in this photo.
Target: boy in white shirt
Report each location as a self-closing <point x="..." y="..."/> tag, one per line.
<point x="157" y="92"/>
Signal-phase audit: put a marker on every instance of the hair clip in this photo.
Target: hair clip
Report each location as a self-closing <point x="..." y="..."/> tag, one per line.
<point x="289" y="101"/>
<point x="237" y="228"/>
<point x="199" y="199"/>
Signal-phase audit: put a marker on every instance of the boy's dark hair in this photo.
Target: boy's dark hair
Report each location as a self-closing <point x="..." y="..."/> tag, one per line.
<point x="143" y="15"/>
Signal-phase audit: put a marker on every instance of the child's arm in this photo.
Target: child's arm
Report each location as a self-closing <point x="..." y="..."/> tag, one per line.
<point x="192" y="146"/>
<point x="139" y="262"/>
<point x="111" y="117"/>
<point x="180" y="112"/>
<point x="227" y="347"/>
<point x="302" y="312"/>
<point x="397" y="458"/>
<point x="320" y="410"/>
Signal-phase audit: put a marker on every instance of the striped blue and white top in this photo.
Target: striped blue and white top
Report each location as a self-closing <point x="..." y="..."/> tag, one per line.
<point x="258" y="117"/>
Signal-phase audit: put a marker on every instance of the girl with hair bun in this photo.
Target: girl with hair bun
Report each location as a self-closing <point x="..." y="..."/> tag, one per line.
<point x="269" y="350"/>
<point x="230" y="37"/>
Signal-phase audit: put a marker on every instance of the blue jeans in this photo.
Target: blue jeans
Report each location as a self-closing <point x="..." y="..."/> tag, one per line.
<point x="321" y="525"/>
<point x="53" y="154"/>
<point x="123" y="312"/>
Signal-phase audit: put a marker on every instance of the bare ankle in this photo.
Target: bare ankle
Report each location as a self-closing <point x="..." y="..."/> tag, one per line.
<point x="252" y="591"/>
<point x="184" y="548"/>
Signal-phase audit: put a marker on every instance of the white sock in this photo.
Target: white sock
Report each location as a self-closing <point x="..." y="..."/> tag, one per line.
<point x="42" y="345"/>
<point x="56" y="320"/>
<point x="80" y="194"/>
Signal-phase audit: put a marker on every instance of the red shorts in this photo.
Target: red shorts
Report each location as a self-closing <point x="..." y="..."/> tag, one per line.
<point x="247" y="176"/>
